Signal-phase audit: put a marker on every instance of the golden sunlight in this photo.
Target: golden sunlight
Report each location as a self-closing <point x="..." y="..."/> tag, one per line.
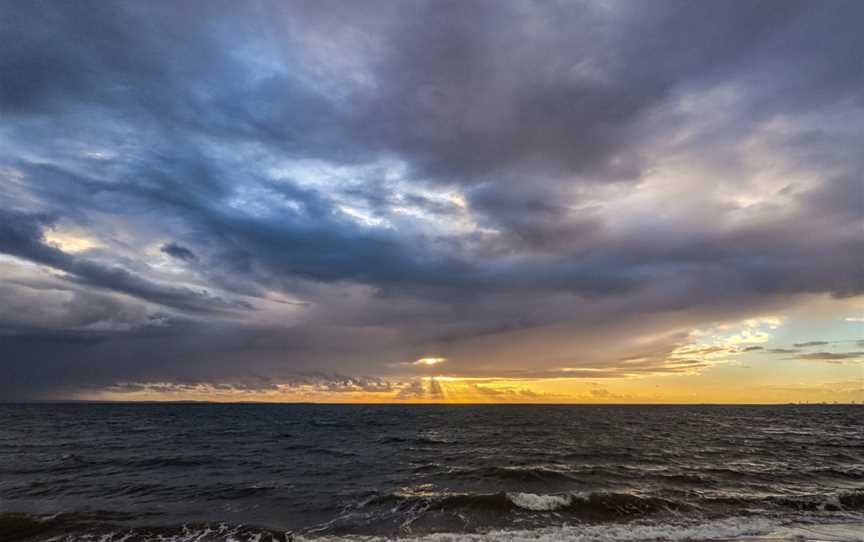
<point x="430" y="361"/>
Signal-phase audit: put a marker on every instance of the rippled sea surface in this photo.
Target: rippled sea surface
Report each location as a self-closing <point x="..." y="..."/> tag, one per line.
<point x="202" y="472"/>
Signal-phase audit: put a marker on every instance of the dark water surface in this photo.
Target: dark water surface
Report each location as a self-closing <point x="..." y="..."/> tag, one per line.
<point x="250" y="472"/>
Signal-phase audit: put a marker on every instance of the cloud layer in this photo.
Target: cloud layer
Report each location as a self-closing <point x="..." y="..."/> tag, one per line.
<point x="211" y="191"/>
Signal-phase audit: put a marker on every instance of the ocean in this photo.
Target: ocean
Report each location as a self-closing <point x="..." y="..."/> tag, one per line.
<point x="259" y="472"/>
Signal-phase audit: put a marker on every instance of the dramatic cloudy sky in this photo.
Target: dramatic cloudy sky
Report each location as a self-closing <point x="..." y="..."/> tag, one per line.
<point x="432" y="201"/>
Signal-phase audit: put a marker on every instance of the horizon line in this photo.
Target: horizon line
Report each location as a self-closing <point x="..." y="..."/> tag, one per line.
<point x="413" y="403"/>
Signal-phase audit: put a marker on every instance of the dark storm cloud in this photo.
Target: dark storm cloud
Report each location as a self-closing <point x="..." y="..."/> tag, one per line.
<point x="180" y="252"/>
<point x="62" y="310"/>
<point x="810" y="343"/>
<point x="478" y="88"/>
<point x="232" y="148"/>
<point x="21" y="235"/>
<point x="311" y="239"/>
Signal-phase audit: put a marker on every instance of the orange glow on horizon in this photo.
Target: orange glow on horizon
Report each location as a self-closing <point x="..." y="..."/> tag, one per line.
<point x="473" y="390"/>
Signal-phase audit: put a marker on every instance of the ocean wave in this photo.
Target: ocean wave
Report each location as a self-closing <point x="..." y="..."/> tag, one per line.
<point x="77" y="529"/>
<point x="523" y="473"/>
<point x="600" y="506"/>
<point x="745" y="529"/>
<point x="393" y="440"/>
<point x="418" y="440"/>
<point x="604" y="506"/>
<point x="70" y="462"/>
<point x="101" y="527"/>
<point x="818" y="502"/>
<point x="432" y="441"/>
<point x="314" y="449"/>
<point x="539" y="503"/>
<point x="564" y="473"/>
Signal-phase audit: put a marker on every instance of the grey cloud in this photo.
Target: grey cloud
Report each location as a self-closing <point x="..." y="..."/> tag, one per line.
<point x="21" y="235"/>
<point x="508" y="394"/>
<point x="250" y="385"/>
<point x="418" y="389"/>
<point x="341" y="383"/>
<point x="145" y="122"/>
<point x="70" y="308"/>
<point x="831" y="356"/>
<point x="180" y="252"/>
<point x="601" y="393"/>
<point x="435" y="390"/>
<point x="478" y="89"/>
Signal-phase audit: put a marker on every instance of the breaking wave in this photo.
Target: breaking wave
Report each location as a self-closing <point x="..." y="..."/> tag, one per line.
<point x="83" y="528"/>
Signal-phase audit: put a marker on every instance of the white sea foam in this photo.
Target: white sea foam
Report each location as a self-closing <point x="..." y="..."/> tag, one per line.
<point x="719" y="531"/>
<point x="539" y="503"/>
<point x="740" y="529"/>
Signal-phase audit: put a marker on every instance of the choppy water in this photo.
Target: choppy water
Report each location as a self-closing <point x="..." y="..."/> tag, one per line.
<point x="254" y="472"/>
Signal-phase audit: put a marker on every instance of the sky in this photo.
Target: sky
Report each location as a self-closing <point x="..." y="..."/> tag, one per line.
<point x="467" y="201"/>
